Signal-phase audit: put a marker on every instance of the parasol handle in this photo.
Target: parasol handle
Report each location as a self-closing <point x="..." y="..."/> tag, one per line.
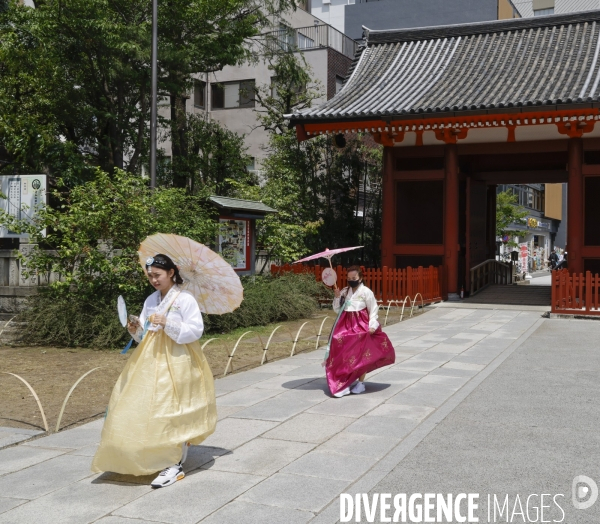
<point x="331" y="266"/>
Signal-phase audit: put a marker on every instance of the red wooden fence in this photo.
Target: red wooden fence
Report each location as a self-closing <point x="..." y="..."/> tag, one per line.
<point x="386" y="283"/>
<point x="575" y="294"/>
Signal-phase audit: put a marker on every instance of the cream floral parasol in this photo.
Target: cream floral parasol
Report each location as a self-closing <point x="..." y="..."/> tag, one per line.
<point x="211" y="280"/>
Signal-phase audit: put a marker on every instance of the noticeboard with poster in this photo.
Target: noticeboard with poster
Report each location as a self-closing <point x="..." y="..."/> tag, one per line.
<point x="23" y="197"/>
<point x="234" y="242"/>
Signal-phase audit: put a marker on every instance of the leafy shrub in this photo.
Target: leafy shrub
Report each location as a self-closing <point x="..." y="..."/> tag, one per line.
<point x="271" y="299"/>
<point x="93" y="233"/>
<point x="59" y="318"/>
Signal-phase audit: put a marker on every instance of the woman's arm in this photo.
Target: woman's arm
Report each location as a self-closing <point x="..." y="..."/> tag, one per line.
<point x="138" y="331"/>
<point x="339" y="300"/>
<point x="373" y="308"/>
<point x="191" y="327"/>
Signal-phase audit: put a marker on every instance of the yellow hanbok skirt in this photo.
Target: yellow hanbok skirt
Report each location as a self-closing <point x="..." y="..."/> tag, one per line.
<point x="165" y="396"/>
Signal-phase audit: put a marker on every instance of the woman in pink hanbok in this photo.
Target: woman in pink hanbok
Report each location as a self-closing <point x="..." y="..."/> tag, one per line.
<point x="357" y="344"/>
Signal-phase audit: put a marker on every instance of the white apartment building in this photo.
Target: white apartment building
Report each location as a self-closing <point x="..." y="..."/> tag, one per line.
<point x="332" y="12"/>
<point x="554" y="7"/>
<point x="223" y="96"/>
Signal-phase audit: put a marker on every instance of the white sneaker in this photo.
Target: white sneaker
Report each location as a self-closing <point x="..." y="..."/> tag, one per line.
<point x="342" y="393"/>
<point x="185" y="446"/>
<point x="168" y="476"/>
<point x="358" y="388"/>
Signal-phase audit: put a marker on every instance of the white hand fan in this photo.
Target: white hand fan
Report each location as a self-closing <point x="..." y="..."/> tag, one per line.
<point x="329" y="277"/>
<point x="122" y="309"/>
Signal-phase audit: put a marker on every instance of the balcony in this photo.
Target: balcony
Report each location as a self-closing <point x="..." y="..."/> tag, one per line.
<point x="311" y="37"/>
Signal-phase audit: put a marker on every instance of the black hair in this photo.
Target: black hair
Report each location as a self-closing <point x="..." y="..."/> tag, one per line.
<point x="357" y="269"/>
<point x="164" y="262"/>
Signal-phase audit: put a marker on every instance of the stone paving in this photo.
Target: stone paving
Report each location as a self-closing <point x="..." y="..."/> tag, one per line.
<point x="284" y="449"/>
<point x="538" y="294"/>
<point x="9" y="436"/>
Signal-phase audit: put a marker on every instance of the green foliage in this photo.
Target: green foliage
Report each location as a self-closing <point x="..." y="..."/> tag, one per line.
<point x="317" y="189"/>
<point x="508" y="213"/>
<point x="316" y="186"/>
<point x="93" y="233"/>
<point x="92" y="238"/>
<point x="271" y="299"/>
<point x="94" y="230"/>
<point x="59" y="317"/>
<point x="215" y="160"/>
<point x="291" y="89"/>
<point x="75" y="74"/>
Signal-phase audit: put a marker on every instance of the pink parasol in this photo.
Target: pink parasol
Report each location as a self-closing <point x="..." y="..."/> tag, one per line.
<point x="328" y="253"/>
<point x="329" y="276"/>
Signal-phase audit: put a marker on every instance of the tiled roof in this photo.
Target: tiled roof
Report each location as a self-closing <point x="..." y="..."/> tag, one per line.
<point x="545" y="61"/>
<point x="237" y="204"/>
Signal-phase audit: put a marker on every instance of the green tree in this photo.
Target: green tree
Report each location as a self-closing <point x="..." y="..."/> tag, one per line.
<point x="292" y="87"/>
<point x="88" y="242"/>
<point x="75" y="75"/>
<point x="508" y="213"/>
<point x="315" y="185"/>
<point x="216" y="161"/>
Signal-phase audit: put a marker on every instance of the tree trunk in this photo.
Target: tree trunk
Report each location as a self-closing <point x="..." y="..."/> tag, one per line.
<point x="179" y="141"/>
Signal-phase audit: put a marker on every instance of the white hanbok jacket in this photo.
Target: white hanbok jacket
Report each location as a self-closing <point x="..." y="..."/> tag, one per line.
<point x="358" y="300"/>
<point x="184" y="319"/>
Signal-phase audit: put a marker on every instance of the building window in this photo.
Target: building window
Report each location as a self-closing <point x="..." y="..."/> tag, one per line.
<point x="229" y="95"/>
<point x="527" y="196"/>
<point x="542" y="12"/>
<point x="304" y="42"/>
<point x="339" y="83"/>
<point x="286" y="37"/>
<point x="199" y="93"/>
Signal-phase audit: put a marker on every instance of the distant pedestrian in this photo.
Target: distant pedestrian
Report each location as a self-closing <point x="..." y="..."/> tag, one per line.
<point x="553" y="259"/>
<point x="562" y="264"/>
<point x="357" y="345"/>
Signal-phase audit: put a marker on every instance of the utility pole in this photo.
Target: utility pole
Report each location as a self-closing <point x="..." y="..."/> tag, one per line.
<point x="154" y="94"/>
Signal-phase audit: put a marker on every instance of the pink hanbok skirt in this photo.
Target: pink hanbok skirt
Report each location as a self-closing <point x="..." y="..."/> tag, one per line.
<point x="353" y="351"/>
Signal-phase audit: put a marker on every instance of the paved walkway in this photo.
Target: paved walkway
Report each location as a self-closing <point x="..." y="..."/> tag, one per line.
<point x="284" y="449"/>
<point x="9" y="436"/>
<point x="515" y="295"/>
<point x="530" y="428"/>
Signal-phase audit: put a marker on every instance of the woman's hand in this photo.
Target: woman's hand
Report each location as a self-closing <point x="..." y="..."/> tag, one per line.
<point x="371" y="331"/>
<point x="132" y="326"/>
<point x="337" y="292"/>
<point x="159" y="320"/>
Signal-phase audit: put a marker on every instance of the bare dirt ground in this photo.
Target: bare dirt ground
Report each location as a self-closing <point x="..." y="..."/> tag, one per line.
<point x="53" y="371"/>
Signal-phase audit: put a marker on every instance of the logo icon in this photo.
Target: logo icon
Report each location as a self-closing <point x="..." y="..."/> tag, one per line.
<point x="585" y="492"/>
<point x="36" y="184"/>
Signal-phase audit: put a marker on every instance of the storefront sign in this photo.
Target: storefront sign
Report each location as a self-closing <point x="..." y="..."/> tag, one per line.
<point x="535" y="223"/>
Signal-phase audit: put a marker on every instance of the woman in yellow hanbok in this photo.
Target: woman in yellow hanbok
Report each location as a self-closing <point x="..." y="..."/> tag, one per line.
<point x="164" y="399"/>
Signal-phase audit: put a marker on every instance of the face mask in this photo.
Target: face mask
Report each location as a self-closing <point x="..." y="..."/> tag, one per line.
<point x="353" y="283"/>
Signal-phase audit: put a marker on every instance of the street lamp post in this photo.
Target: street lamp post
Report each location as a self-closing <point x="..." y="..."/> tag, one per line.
<point x="154" y="94"/>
